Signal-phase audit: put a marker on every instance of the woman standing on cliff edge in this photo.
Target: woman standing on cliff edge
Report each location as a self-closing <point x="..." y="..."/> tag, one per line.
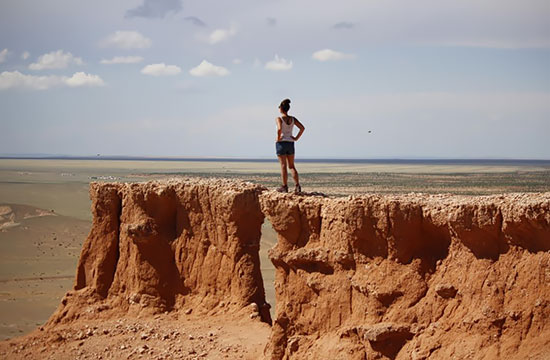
<point x="285" y="145"/>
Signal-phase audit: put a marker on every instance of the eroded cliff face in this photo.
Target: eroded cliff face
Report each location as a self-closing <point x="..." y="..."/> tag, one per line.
<point x="411" y="277"/>
<point x="169" y="246"/>
<point x="372" y="277"/>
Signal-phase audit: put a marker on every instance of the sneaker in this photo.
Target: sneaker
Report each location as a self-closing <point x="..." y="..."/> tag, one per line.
<point x="297" y="189"/>
<point x="283" y="188"/>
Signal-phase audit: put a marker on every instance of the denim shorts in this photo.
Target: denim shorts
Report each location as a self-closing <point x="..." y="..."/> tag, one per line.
<point x="284" y="147"/>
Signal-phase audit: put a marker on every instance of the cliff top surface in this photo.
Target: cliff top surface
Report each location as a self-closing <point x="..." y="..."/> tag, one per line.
<point x="238" y="185"/>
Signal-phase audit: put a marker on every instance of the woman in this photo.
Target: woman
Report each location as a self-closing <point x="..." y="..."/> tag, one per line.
<point x="285" y="145"/>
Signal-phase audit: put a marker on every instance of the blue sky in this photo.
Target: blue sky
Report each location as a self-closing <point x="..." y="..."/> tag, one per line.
<point x="429" y="79"/>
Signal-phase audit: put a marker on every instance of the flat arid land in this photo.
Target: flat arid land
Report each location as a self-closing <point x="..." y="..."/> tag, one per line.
<point x="45" y="217"/>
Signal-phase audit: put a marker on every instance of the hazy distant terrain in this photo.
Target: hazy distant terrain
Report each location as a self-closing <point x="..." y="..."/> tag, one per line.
<point x="45" y="210"/>
<point x="38" y="255"/>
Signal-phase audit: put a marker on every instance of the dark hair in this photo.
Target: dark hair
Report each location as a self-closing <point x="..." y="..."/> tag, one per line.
<point x="285" y="105"/>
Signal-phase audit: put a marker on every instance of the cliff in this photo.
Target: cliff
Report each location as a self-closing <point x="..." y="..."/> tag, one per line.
<point x="411" y="277"/>
<point x="169" y="246"/>
<point x="370" y="277"/>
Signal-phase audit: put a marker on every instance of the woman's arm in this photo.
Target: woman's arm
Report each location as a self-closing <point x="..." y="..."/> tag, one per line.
<point x="279" y="131"/>
<point x="300" y="126"/>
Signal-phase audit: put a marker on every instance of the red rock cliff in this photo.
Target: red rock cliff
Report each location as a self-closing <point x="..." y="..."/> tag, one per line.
<point x="372" y="277"/>
<point x="163" y="246"/>
<point x="411" y="277"/>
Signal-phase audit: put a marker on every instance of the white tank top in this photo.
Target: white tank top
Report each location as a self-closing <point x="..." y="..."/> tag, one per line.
<point x="286" y="129"/>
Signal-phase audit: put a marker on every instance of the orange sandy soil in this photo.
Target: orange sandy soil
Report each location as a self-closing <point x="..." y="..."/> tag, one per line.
<point x="164" y="336"/>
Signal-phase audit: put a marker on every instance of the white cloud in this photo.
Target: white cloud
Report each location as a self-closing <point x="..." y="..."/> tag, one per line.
<point x="161" y="70"/>
<point x="331" y="55"/>
<point x="123" y="60"/>
<point x="127" y="40"/>
<point x="237" y="61"/>
<point x="3" y="55"/>
<point x="55" y="60"/>
<point x="25" y="55"/>
<point x="220" y="35"/>
<point x="278" y="64"/>
<point x="83" y="79"/>
<point x="207" y="69"/>
<point x="15" y="79"/>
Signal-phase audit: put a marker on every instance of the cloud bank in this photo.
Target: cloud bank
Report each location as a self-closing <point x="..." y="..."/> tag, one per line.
<point x="17" y="80"/>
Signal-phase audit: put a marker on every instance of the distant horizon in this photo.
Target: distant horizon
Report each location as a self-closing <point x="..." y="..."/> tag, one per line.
<point x="265" y="159"/>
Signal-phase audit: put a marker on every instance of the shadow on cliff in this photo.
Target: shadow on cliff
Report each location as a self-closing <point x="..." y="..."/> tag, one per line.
<point x="487" y="233"/>
<point x="390" y="348"/>
<point x="401" y="232"/>
<point x="161" y="223"/>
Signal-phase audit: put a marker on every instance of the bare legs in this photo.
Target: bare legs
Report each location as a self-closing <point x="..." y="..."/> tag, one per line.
<point x="288" y="161"/>
<point x="284" y="172"/>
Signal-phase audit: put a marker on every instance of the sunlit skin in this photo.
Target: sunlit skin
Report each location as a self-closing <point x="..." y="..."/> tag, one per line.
<point x="287" y="161"/>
